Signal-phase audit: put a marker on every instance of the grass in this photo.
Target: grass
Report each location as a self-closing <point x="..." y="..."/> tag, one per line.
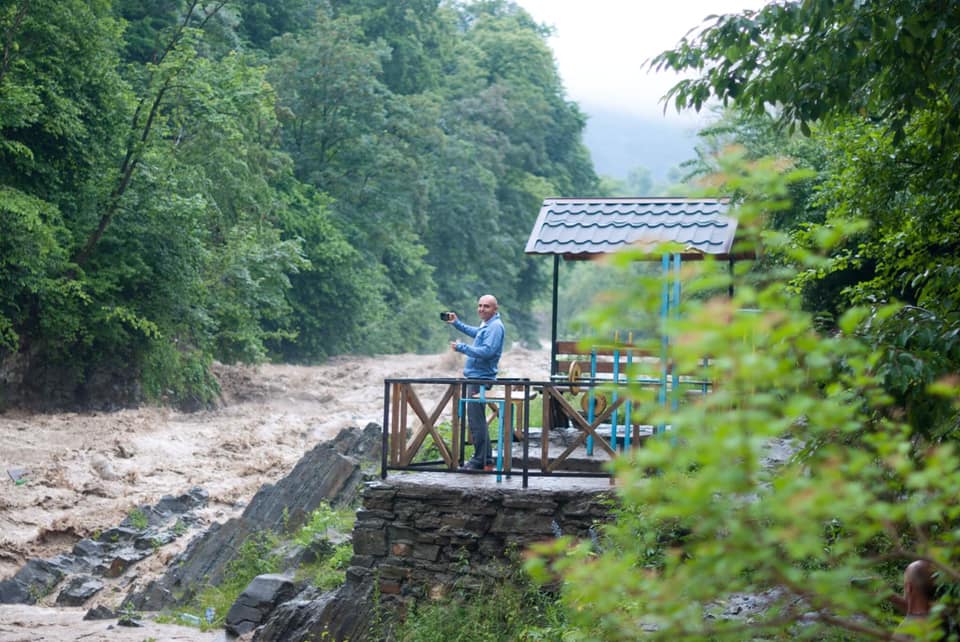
<point x="329" y="571"/>
<point x="138" y="519"/>
<point x="255" y="557"/>
<point x="322" y="520"/>
<point x="179" y="528"/>
<point x="517" y="612"/>
<point x="428" y="450"/>
<point x="258" y="556"/>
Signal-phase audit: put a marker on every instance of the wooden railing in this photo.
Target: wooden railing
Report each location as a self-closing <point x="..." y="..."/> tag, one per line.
<point x="424" y="419"/>
<point x="424" y="427"/>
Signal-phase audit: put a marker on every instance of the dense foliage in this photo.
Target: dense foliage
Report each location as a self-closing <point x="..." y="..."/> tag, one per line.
<point x="825" y="459"/>
<point x="236" y="180"/>
<point x="886" y="151"/>
<point x="797" y="484"/>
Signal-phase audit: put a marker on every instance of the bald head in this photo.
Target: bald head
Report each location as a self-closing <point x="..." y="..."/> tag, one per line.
<point x="487" y="306"/>
<point x="918" y="580"/>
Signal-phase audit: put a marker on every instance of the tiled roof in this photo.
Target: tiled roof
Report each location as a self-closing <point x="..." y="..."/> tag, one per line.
<point x="579" y="227"/>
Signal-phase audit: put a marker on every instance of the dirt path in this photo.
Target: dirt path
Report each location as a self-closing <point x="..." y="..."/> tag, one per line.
<point x="82" y="473"/>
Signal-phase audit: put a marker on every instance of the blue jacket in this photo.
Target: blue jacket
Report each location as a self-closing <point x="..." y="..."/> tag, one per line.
<point x="484" y="355"/>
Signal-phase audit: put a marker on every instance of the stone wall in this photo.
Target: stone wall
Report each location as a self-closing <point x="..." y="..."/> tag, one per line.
<point x="420" y="537"/>
<point x="421" y="540"/>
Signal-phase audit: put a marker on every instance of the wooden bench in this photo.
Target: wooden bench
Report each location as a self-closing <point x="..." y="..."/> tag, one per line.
<point x="605" y="361"/>
<point x="575" y="362"/>
<point x="602" y="361"/>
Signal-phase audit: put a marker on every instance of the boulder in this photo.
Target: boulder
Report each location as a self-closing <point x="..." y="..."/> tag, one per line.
<point x="34" y="580"/>
<point x="341" y="614"/>
<point x="99" y="612"/>
<point x="78" y="590"/>
<point x="257" y="601"/>
<point x="195" y="498"/>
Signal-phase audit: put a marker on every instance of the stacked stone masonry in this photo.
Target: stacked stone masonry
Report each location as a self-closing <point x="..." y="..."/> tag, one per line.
<point x="418" y="541"/>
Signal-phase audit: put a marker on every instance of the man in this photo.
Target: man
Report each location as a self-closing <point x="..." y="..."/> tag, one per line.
<point x="919" y="597"/>
<point x="483" y="357"/>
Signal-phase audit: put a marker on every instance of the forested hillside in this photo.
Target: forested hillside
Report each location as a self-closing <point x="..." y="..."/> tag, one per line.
<point x="183" y="182"/>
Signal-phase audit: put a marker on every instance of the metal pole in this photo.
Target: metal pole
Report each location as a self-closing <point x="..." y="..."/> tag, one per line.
<point x="386" y="427"/>
<point x="730" y="267"/>
<point x="590" y="417"/>
<point x="676" y="315"/>
<point x="613" y="398"/>
<point x="675" y="403"/>
<point x="553" y="321"/>
<point x="526" y="433"/>
<point x="664" y="311"/>
<point x="500" y="445"/>
<point x="628" y="413"/>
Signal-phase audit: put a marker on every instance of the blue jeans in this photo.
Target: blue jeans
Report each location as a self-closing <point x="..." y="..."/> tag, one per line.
<point x="477" y="422"/>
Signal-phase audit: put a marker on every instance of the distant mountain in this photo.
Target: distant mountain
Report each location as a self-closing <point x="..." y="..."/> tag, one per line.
<point x="620" y="142"/>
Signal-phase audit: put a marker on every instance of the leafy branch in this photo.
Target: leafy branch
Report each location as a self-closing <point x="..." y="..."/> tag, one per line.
<point x="141" y="131"/>
<point x="8" y="36"/>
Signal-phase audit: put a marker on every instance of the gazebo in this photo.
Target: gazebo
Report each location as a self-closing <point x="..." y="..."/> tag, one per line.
<point x="578" y="229"/>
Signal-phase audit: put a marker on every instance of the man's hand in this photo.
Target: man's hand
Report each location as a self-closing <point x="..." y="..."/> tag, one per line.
<point x="453" y="345"/>
<point x="451" y="317"/>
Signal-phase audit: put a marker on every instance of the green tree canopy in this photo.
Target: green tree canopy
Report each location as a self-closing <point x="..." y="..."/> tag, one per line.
<point x="873" y="86"/>
<point x="864" y="407"/>
<point x="794" y="484"/>
<point x="812" y="59"/>
<point x="190" y="181"/>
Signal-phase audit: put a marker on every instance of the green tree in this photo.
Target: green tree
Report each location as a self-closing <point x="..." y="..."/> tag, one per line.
<point x="793" y="481"/>
<point x="31" y="247"/>
<point x="760" y="136"/>
<point x="62" y="111"/>
<point x="639" y="181"/>
<point x="872" y="83"/>
<point x="146" y="25"/>
<point x="331" y="297"/>
<point x="190" y="181"/>
<point x="146" y="203"/>
<point x="417" y="33"/>
<point x="813" y="59"/>
<point x="353" y="140"/>
<point x="186" y="263"/>
<point x="434" y="178"/>
<point x="261" y="22"/>
<point x="521" y="141"/>
<point x="869" y="406"/>
<point x="907" y="254"/>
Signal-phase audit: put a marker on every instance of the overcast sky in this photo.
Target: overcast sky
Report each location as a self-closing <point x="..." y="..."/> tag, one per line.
<point x="601" y="45"/>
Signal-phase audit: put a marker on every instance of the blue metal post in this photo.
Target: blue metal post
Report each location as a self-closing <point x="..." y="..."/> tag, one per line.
<point x="675" y="384"/>
<point x="704" y="389"/>
<point x="664" y="312"/>
<point x="613" y="397"/>
<point x="500" y="405"/>
<point x="628" y="423"/>
<point x="676" y="314"/>
<point x="593" y="377"/>
<point x="500" y="442"/>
